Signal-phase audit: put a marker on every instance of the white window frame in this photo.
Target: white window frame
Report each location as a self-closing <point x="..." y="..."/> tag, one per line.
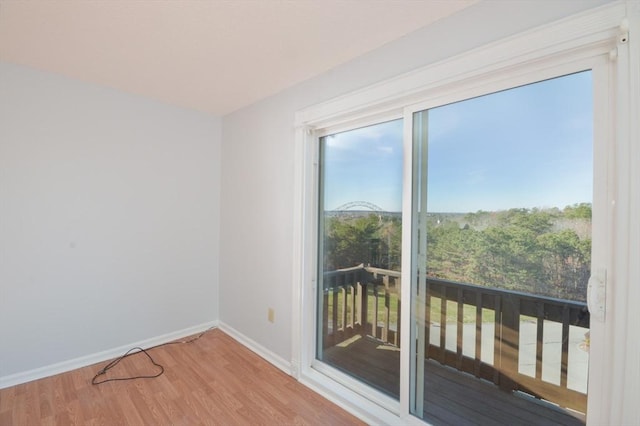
<point x="379" y="398"/>
<point x="598" y="35"/>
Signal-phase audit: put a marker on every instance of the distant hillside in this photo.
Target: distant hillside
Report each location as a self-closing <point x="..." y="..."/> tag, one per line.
<point x="360" y="213"/>
<point x="559" y="219"/>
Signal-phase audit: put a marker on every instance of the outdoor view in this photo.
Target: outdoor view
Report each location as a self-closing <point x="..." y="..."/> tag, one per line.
<point x="508" y="187"/>
<point x="361" y="195"/>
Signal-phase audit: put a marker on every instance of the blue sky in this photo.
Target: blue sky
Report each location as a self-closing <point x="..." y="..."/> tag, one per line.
<point x="526" y="147"/>
<point x="365" y="165"/>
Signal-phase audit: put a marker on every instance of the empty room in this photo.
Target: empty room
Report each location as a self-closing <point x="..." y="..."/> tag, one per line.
<point x="319" y="212"/>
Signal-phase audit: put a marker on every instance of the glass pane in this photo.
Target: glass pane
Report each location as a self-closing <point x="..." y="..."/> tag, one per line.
<point x="359" y="237"/>
<point x="502" y="253"/>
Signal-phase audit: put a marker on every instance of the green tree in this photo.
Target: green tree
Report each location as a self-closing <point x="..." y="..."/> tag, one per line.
<point x="567" y="262"/>
<point x="578" y="211"/>
<point x="530" y="250"/>
<point x="351" y="242"/>
<point x="546" y="252"/>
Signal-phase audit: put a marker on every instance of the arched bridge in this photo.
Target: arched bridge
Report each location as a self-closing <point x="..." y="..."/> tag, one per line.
<point x="365" y="204"/>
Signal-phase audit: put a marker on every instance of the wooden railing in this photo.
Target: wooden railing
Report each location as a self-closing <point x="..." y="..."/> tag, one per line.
<point x="361" y="301"/>
<point x="365" y="301"/>
<point x="508" y="310"/>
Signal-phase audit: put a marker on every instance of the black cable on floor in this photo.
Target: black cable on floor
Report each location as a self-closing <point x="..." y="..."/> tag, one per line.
<point x="130" y="352"/>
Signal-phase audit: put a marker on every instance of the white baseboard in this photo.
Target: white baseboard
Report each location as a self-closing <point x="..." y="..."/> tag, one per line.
<point x="83" y="361"/>
<point x="355" y="404"/>
<point x="265" y="353"/>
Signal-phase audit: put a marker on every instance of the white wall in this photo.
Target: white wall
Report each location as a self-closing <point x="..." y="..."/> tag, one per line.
<point x="258" y="170"/>
<point x="109" y="219"/>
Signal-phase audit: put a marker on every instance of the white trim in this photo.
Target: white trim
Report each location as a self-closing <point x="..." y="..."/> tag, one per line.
<point x="312" y="205"/>
<point x="631" y="412"/>
<point x="298" y="239"/>
<point x="602" y="229"/>
<point x="349" y="383"/>
<point x="304" y="270"/>
<point x="359" y="122"/>
<point x="509" y="79"/>
<point x="603" y="174"/>
<point x="621" y="354"/>
<point x="406" y="264"/>
<point x="592" y="28"/>
<point x="356" y="404"/>
<point x="84" y="361"/>
<point x="260" y="350"/>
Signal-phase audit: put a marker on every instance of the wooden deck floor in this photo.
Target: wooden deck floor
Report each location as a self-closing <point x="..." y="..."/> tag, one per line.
<point x="451" y="397"/>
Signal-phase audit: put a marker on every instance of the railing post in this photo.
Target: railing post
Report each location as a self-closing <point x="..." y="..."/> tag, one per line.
<point x="325" y="319"/>
<point x="343" y="310"/>
<point x="478" y="348"/>
<point x="334" y="315"/>
<point x="497" y="338"/>
<point x="427" y="320"/>
<point x="459" y="328"/>
<point x="396" y="286"/>
<point x="358" y="302"/>
<point x="539" y="338"/>
<point x="385" y="329"/>
<point x="564" y="363"/>
<point x="364" y="303"/>
<point x="443" y="325"/>
<point x="374" y="319"/>
<point x="352" y="317"/>
<point x="510" y="342"/>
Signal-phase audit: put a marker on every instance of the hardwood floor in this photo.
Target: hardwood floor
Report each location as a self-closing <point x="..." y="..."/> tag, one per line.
<point x="214" y="380"/>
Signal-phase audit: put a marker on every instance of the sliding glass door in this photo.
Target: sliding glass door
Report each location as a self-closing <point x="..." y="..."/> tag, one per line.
<point x="454" y="246"/>
<point x="360" y="229"/>
<point x="501" y="254"/>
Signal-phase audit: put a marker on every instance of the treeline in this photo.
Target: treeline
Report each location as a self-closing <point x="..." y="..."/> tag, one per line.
<point x="545" y="252"/>
<point x="373" y="240"/>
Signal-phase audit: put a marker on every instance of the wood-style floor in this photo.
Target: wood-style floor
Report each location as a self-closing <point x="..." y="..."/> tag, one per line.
<point x="450" y="397"/>
<point x="214" y="380"/>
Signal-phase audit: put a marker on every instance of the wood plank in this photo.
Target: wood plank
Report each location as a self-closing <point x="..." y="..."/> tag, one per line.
<point x="478" y="348"/>
<point x="478" y="394"/>
<point x="451" y="397"/>
<point x="539" y="339"/>
<point x="565" y="347"/>
<point x="369" y="360"/>
<point x="214" y="380"/>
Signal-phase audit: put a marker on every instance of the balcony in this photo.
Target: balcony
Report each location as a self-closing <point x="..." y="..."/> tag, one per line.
<point x="511" y="357"/>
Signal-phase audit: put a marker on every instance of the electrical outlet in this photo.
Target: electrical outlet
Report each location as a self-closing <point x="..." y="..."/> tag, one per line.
<point x="271" y="315"/>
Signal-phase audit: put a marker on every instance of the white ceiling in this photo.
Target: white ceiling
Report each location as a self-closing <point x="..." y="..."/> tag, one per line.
<point x="210" y="55"/>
